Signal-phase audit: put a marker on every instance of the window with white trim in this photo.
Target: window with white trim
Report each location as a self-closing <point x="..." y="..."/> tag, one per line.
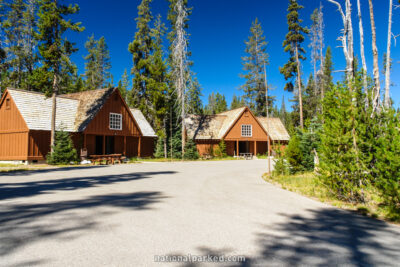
<point x="247" y="130"/>
<point x="115" y="121"/>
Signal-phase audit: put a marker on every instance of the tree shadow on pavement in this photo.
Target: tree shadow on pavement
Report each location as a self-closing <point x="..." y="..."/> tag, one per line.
<point x="53" y="169"/>
<point x="22" y="224"/>
<point x="325" y="237"/>
<point x="26" y="189"/>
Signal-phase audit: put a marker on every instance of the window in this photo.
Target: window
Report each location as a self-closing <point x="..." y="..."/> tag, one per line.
<point x="115" y="121"/>
<point x="8" y="103"/>
<point x="247" y="130"/>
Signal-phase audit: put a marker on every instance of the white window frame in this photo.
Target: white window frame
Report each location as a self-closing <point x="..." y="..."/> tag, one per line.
<point x="247" y="130"/>
<point x="113" y="121"/>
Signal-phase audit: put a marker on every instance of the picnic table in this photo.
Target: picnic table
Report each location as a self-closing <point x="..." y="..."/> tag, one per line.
<point x="246" y="155"/>
<point x="109" y="159"/>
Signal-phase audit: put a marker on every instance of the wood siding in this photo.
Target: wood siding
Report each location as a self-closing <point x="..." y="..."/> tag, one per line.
<point x="11" y="119"/>
<point x="39" y="145"/>
<point x="13" y="131"/>
<point x="100" y="124"/>
<point x="147" y="148"/>
<point x="14" y="146"/>
<point x="206" y="147"/>
<point x="235" y="133"/>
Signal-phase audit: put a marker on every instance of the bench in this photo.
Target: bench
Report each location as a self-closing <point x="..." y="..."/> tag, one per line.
<point x="109" y="159"/>
<point x="246" y="155"/>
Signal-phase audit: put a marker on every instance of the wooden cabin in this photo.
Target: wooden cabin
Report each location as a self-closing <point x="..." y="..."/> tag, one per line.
<point x="242" y="132"/>
<point x="99" y="121"/>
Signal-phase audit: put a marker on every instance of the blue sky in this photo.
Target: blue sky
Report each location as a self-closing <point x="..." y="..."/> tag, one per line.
<point x="218" y="29"/>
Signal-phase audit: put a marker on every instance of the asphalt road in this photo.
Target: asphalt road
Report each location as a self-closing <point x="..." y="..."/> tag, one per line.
<point x="132" y="215"/>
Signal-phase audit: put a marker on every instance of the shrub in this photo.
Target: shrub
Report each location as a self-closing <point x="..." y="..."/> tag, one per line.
<point x="281" y="167"/>
<point x="220" y="151"/>
<point x="191" y="150"/>
<point x="63" y="150"/>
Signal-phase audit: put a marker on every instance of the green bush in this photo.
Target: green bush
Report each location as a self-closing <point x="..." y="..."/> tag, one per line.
<point x="63" y="150"/>
<point x="191" y="150"/>
<point x="281" y="166"/>
<point x="220" y="151"/>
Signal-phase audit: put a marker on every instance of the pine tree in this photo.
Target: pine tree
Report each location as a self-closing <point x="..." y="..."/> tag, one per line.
<point x="292" y="44"/>
<point x="98" y="65"/>
<point x="311" y="100"/>
<point x="216" y="104"/>
<point x="254" y="65"/>
<point x="141" y="49"/>
<point x="237" y="102"/>
<point x="327" y="81"/>
<point x="20" y="42"/>
<point x="63" y="151"/>
<point x="194" y="103"/>
<point x="55" y="50"/>
<point x="123" y="85"/>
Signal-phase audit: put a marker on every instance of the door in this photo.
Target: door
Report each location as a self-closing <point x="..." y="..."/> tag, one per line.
<point x="110" y="140"/>
<point x="99" y="145"/>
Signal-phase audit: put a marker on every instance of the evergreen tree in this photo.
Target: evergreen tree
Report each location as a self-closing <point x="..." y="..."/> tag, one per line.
<point x="98" y="65"/>
<point x="18" y="29"/>
<point x="216" y="104"/>
<point x="63" y="151"/>
<point x="55" y="50"/>
<point x="194" y="103"/>
<point x="327" y="79"/>
<point x="254" y="64"/>
<point x="191" y="150"/>
<point x="141" y="49"/>
<point x="123" y="85"/>
<point x="292" y="44"/>
<point x="237" y="102"/>
<point x="311" y="100"/>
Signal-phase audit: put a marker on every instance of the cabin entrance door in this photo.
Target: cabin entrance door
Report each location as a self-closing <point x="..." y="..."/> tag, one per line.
<point x="244" y="147"/>
<point x="110" y="144"/>
<point x="99" y="145"/>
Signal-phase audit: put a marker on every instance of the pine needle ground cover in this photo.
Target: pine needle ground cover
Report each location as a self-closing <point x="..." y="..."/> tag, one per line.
<point x="309" y="185"/>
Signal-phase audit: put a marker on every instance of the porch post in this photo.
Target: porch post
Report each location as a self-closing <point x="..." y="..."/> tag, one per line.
<point x="237" y="148"/>
<point x="124" y="145"/>
<point x="139" y="146"/>
<point x="84" y="140"/>
<point x="255" y="148"/>
<point x="104" y="144"/>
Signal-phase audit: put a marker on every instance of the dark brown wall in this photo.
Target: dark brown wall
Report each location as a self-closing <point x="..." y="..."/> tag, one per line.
<point x="100" y="124"/>
<point x="147" y="148"/>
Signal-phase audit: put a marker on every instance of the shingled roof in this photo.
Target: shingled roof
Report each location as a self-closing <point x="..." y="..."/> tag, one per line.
<point x="35" y="108"/>
<point x="143" y="124"/>
<point x="275" y="128"/>
<point x="90" y="102"/>
<point x="200" y="127"/>
<point x="74" y="111"/>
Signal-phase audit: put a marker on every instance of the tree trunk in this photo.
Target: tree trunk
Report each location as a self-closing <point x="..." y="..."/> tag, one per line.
<point x="364" y="64"/>
<point x="299" y="88"/>
<point x="388" y="60"/>
<point x="53" y="113"/>
<point x="266" y="91"/>
<point x="376" y="94"/>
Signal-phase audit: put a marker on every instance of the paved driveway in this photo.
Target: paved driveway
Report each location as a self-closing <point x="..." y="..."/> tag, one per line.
<point x="125" y="215"/>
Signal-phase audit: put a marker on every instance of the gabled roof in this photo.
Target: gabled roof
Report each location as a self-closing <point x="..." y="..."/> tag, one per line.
<point x="90" y="102"/>
<point x="211" y="126"/>
<point x="275" y="128"/>
<point x="143" y="124"/>
<point x="215" y="127"/>
<point x="36" y="109"/>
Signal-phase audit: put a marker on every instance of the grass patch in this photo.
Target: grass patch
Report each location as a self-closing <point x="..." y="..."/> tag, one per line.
<point x="137" y="160"/>
<point x="309" y="185"/>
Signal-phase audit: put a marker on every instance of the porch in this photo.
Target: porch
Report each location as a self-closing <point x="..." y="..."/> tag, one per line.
<point x="253" y="147"/>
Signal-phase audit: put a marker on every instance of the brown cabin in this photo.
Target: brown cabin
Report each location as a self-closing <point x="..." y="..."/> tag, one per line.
<point x="239" y="128"/>
<point x="99" y="121"/>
